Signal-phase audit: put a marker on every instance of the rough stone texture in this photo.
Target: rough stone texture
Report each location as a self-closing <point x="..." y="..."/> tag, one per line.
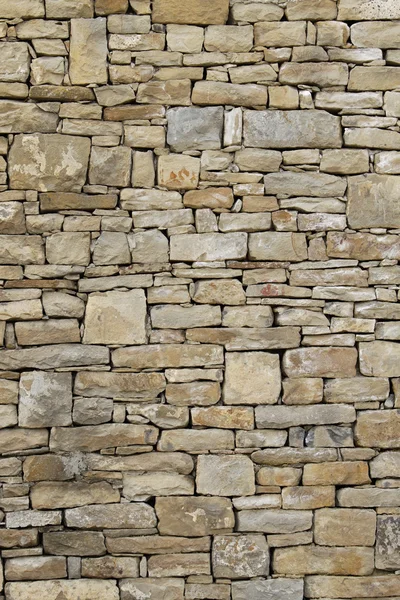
<point x="199" y="303"/>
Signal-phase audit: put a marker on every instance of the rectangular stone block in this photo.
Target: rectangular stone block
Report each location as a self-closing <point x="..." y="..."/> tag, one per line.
<point x="271" y="589"/>
<point x="282" y="417"/>
<point x="320" y="362"/>
<point x="84" y="589"/>
<point x="88" y="66"/>
<point x="167" y="355"/>
<point x="378" y="429"/>
<point x="151" y="588"/>
<point x="208" y="246"/>
<point x="291" y="129"/>
<point x="344" y="527"/>
<point x="274" y="245"/>
<point x="368" y="10"/>
<point x="194" y="517"/>
<point x="90" y="439"/>
<point x="216" y="92"/>
<point x="320" y="586"/>
<point x="192" y="13"/>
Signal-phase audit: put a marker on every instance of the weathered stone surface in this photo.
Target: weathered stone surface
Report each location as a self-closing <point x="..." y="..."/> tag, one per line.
<point x="341" y="473"/>
<point x="171" y="11"/>
<point x="356" y="389"/>
<point x="320" y="586"/>
<point x="171" y="355"/>
<point x="368" y="10"/>
<point x="116" y="567"/>
<point x="310" y="560"/>
<point x="157" y="484"/>
<point x="372" y="201"/>
<point x="49" y="162"/>
<point x="84" y="589"/>
<point x="14" y="62"/>
<point x="274" y="521"/>
<point x="27" y="9"/>
<point x="378" y="429"/>
<point x="345" y="527"/>
<point x="66" y="494"/>
<point x="380" y="359"/>
<point x="225" y="476"/>
<point x="235" y="557"/>
<point x="303" y="184"/>
<point x="194" y="128"/>
<point x="215" y="92"/>
<point x="272" y="245"/>
<point x="320" y="362"/>
<point x="171" y="588"/>
<point x="208" y="246"/>
<point x="294" y="129"/>
<point x="263" y="385"/>
<point x="74" y="543"/>
<point x="123" y="516"/>
<point x="19" y="117"/>
<point x="88" y="67"/>
<point x="45" y="399"/>
<point x="280" y="417"/>
<point x="121" y="385"/>
<point x="268" y="588"/>
<point x="90" y="439"/>
<point x="196" y="440"/>
<point x="194" y="517"/>
<point x="116" y="318"/>
<point x="387" y="542"/>
<point x="385" y="464"/>
<point x="179" y="317"/>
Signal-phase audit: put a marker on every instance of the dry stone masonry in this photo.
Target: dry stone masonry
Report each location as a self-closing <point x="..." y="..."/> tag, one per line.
<point x="199" y="286"/>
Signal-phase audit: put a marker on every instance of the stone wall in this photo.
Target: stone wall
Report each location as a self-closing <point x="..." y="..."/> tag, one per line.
<point x="199" y="318"/>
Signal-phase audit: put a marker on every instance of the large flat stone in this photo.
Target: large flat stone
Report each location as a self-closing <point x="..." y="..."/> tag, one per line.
<point x="90" y="439"/>
<point x="304" y="184"/>
<point x="191" y="13"/>
<point x="268" y="589"/>
<point x="88" y="66"/>
<point x="195" y="128"/>
<point x="325" y="586"/>
<point x="14" y="62"/>
<point x="372" y="201"/>
<point x="82" y="589"/>
<point x="152" y="588"/>
<point x="45" y="399"/>
<point x="388" y="542"/>
<point x="21" y="117"/>
<point x="278" y="245"/>
<point x="167" y="355"/>
<point x="53" y="357"/>
<point x="362" y="246"/>
<point x="48" y="162"/>
<point x="225" y="476"/>
<point x="378" y="429"/>
<point x="291" y="129"/>
<point x="380" y="359"/>
<point x="310" y="560"/>
<point x="252" y="378"/>
<point x="122" y="516"/>
<point x="282" y="417"/>
<point x="368" y="10"/>
<point x="194" y="517"/>
<point x="344" y="527"/>
<point x="122" y="385"/>
<point x="274" y="520"/>
<point x="320" y="362"/>
<point x="208" y="246"/>
<point x="237" y="557"/>
<point x="24" y="9"/>
<point x="116" y="318"/>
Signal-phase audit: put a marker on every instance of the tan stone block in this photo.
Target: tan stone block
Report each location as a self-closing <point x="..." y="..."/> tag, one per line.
<point x="36" y="403"/>
<point x="195" y="517"/>
<point x="219" y="291"/>
<point x="344" y="527"/>
<point x="307" y="390"/>
<point x="202" y="393"/>
<point x="52" y="331"/>
<point x="320" y="74"/>
<point x="309" y="560"/>
<point x="129" y="516"/>
<point x="373" y="78"/>
<point x="228" y="38"/>
<point x="284" y="97"/>
<point x="280" y="34"/>
<point x="281" y="476"/>
<point x="376" y="34"/>
<point x="277" y="246"/>
<point x="50" y="168"/>
<point x="185" y="38"/>
<point x="173" y="92"/>
<point x="90" y="439"/>
<point x="240" y="556"/>
<point x="26" y="9"/>
<point x="320" y="362"/>
<point x="178" y="171"/>
<point x="168" y="355"/>
<point x="341" y="473"/>
<point x="225" y="417"/>
<point x="308" y="498"/>
<point x="116" y="318"/>
<point x="252" y="378"/>
<point x="195" y="440"/>
<point x="157" y="484"/>
<point x="68" y="248"/>
<point x="152" y="587"/>
<point x="313" y="10"/>
<point x="320" y="586"/>
<point x="27" y="568"/>
<point x="88" y="67"/>
<point x="112" y="567"/>
<point x="84" y="589"/>
<point x="57" y="494"/>
<point x="219" y="197"/>
<point x="215" y="92"/>
<point x="157" y="544"/>
<point x="378" y="429"/>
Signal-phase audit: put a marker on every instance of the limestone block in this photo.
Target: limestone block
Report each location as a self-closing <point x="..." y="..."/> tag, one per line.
<point x="228" y="38"/>
<point x="133" y="516"/>
<point x="178" y="172"/>
<point x="110" y="166"/>
<point x="235" y="557"/>
<point x="387" y="542"/>
<point x="378" y="429"/>
<point x="272" y="34"/>
<point x="345" y="527"/>
<point x="195" y="516"/>
<point x="84" y="589"/>
<point x="88" y="67"/>
<point x="320" y="362"/>
<point x="215" y="92"/>
<point x="65" y="494"/>
<point x="294" y="129"/>
<point x="195" y="128"/>
<point x="172" y="588"/>
<point x="252" y="378"/>
<point x="274" y="589"/>
<point x="48" y="162"/>
<point x="14" y="61"/>
<point x="278" y="246"/>
<point x="116" y="318"/>
<point x="193" y="13"/>
<point x="45" y="399"/>
<point x="368" y="10"/>
<point x="311" y="560"/>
